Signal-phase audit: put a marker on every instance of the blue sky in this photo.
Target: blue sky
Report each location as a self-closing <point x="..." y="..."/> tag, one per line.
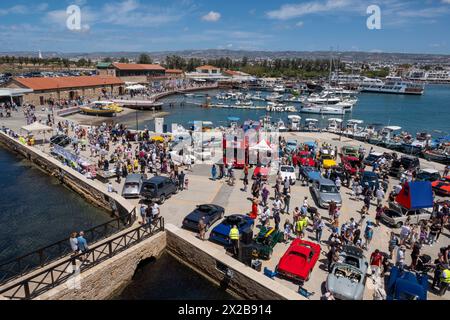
<point x="415" y="26"/>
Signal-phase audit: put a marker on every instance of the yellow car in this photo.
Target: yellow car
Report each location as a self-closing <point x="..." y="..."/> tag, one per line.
<point x="328" y="163"/>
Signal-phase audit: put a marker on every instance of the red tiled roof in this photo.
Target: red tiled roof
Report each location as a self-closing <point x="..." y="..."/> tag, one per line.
<point x="42" y="83"/>
<point x="178" y="71"/>
<point x="208" y="67"/>
<point x="134" y="66"/>
<point x="232" y="72"/>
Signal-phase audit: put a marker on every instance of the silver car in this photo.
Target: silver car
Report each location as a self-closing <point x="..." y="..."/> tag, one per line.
<point x="396" y="216"/>
<point x="347" y="279"/>
<point x="325" y="191"/>
<point x="132" y="186"/>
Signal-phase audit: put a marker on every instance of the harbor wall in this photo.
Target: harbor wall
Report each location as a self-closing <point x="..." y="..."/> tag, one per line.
<point x="93" y="191"/>
<point x="107" y="279"/>
<point x="205" y="259"/>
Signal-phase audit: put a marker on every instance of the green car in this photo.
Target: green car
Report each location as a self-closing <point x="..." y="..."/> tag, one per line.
<point x="349" y="151"/>
<point x="264" y="242"/>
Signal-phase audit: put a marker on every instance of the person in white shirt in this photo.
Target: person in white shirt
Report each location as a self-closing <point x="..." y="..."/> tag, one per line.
<point x="380" y="196"/>
<point x="155" y="210"/>
<point x="265" y="216"/>
<point x="338" y="183"/>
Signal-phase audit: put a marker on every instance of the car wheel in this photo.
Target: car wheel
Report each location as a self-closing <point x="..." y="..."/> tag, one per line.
<point x="309" y="276"/>
<point x="162" y="199"/>
<point x="399" y="225"/>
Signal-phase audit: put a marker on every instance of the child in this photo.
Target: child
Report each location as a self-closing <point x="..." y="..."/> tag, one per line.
<point x="287" y="230"/>
<point x="186" y="183"/>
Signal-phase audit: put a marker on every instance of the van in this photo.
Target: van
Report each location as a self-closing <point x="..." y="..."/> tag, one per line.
<point x="158" y="189"/>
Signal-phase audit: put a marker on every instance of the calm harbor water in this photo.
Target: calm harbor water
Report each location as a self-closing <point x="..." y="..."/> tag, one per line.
<point x="36" y="210"/>
<point x="430" y="112"/>
<point x="168" y="279"/>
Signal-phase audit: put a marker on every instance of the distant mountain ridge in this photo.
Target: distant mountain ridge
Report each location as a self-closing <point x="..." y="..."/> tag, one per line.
<point x="357" y="56"/>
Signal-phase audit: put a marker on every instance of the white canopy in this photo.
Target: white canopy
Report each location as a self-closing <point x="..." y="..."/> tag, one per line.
<point x="393" y="128"/>
<point x="262" y="146"/>
<point x="36" y="127"/>
<point x="136" y="87"/>
<point x="335" y="120"/>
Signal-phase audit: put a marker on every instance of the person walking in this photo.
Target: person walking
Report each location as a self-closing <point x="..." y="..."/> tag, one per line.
<point x="394" y="242"/>
<point x="82" y="246"/>
<point x="400" y="259"/>
<point x="276" y="219"/>
<point x="368" y="235"/>
<point x="415" y="254"/>
<point x="214" y="172"/>
<point x="245" y="182"/>
<point x="445" y="280"/>
<point x="265" y="195"/>
<point x="181" y="180"/>
<point x="376" y="260"/>
<point x="234" y="238"/>
<point x="287" y="201"/>
<point x="318" y="228"/>
<point x="143" y="211"/>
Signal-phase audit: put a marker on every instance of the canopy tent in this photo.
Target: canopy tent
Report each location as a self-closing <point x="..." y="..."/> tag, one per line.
<point x="135" y="87"/>
<point x="37" y="127"/>
<point x="416" y="195"/>
<point x="233" y="118"/>
<point x="261" y="146"/>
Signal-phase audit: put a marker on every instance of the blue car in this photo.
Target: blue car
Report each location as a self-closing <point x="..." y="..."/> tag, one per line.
<point x="220" y="233"/>
<point x="311" y="173"/>
<point x="405" y="285"/>
<point x="371" y="179"/>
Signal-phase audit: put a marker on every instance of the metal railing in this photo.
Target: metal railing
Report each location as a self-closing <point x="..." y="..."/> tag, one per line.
<point x="39" y="258"/>
<point x="67" y="270"/>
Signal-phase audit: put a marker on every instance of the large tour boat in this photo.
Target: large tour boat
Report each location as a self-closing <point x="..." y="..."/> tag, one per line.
<point x="393" y="85"/>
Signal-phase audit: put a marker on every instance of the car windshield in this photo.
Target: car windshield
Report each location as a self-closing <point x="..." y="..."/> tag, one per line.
<point x="287" y="169"/>
<point x="327" y="157"/>
<point x="426" y="176"/>
<point x="328" y="189"/>
<point x="406" y="162"/>
<point x="149" y="187"/>
<point x="234" y="221"/>
<point x="203" y="209"/>
<point x="131" y="185"/>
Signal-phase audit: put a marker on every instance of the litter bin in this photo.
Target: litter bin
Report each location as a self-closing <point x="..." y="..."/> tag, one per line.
<point x="257" y="265"/>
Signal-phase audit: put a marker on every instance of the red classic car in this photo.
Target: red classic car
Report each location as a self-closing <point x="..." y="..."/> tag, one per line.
<point x="304" y="159"/>
<point x="442" y="187"/>
<point x="263" y="171"/>
<point x="351" y="164"/>
<point x="299" y="260"/>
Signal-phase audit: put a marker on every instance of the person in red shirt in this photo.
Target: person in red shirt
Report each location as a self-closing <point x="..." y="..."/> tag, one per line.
<point x="376" y="260"/>
<point x="254" y="213"/>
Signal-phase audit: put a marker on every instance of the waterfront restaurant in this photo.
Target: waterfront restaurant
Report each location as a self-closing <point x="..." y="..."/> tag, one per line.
<point x="43" y="90"/>
<point x="207" y="73"/>
<point x="132" y="72"/>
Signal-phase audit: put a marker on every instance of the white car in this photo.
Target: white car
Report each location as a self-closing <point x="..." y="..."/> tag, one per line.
<point x="288" y="172"/>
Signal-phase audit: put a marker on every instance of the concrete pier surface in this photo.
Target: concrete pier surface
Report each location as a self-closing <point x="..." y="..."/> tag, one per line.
<point x="203" y="190"/>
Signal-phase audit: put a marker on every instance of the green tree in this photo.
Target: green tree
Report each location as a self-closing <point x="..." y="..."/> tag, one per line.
<point x="144" y="59"/>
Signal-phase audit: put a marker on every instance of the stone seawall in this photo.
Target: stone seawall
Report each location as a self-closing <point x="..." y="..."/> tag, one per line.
<point x="108" y="278"/>
<point x="204" y="258"/>
<point x="93" y="191"/>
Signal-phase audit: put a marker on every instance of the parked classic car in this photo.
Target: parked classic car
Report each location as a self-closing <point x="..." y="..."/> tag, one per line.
<point x="291" y="145"/>
<point x="221" y="232"/>
<point x="132" y="186"/>
<point x="60" y="140"/>
<point x="428" y="175"/>
<point x="396" y="215"/>
<point x="372" y="158"/>
<point x="262" y="171"/>
<point x="347" y="279"/>
<point x="211" y="212"/>
<point x="288" y="172"/>
<point x="351" y="164"/>
<point x="370" y="179"/>
<point x="407" y="162"/>
<point x="310" y="173"/>
<point x="325" y="191"/>
<point x="159" y="188"/>
<point x="304" y="159"/>
<point x="442" y="186"/>
<point x="299" y="260"/>
<point x="266" y="240"/>
<point x="349" y="151"/>
<point x="406" y="285"/>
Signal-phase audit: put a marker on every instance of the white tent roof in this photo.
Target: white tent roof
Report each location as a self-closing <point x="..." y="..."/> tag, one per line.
<point x="262" y="146"/>
<point x="34" y="127"/>
<point x="135" y="87"/>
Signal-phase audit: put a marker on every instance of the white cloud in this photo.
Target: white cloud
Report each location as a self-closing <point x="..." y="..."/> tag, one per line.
<point x="289" y="11"/>
<point x="300" y="24"/>
<point x="212" y="16"/>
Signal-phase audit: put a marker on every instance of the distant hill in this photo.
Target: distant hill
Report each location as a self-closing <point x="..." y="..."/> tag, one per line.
<point x="254" y="55"/>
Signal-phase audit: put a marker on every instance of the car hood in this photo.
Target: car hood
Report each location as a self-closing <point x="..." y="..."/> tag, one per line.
<point x="331" y="196"/>
<point x="343" y="288"/>
<point x="196" y="216"/>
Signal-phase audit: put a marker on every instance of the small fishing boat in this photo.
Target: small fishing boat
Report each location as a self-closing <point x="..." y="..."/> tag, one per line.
<point x="311" y="125"/>
<point x="334" y="125"/>
<point x="294" y="122"/>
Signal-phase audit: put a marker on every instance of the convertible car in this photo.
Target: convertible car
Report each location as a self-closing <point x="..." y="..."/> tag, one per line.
<point x="347" y="278"/>
<point x="211" y="212"/>
<point x="262" y="171"/>
<point x="266" y="240"/>
<point x="351" y="164"/>
<point x="221" y="232"/>
<point x="442" y="187"/>
<point x="299" y="260"/>
<point x="304" y="159"/>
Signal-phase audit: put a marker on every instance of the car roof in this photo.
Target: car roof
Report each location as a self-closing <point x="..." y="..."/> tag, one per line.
<point x="354" y="251"/>
<point x="157" y="179"/>
<point x="134" y="177"/>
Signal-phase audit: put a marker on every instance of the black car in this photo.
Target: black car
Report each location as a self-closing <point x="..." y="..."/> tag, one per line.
<point x="370" y="179"/>
<point x="211" y="212"/>
<point x="408" y="163"/>
<point x="60" y="140"/>
<point x="158" y="189"/>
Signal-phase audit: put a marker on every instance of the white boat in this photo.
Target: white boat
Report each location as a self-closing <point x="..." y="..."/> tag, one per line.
<point x="395" y="85"/>
<point x="318" y="109"/>
<point x="311" y="124"/>
<point x="334" y="125"/>
<point x="353" y="127"/>
<point x="279" y="88"/>
<point x="274" y="97"/>
<point x="294" y="122"/>
<point x="281" y="126"/>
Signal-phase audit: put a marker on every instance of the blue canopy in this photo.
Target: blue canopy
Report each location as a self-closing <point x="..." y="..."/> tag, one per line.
<point x="416" y="195"/>
<point x="233" y="119"/>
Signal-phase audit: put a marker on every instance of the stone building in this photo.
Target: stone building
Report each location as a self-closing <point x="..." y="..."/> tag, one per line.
<point x="132" y="72"/>
<point x="45" y="90"/>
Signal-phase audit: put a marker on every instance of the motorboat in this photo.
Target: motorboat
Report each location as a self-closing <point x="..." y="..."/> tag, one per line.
<point x="334" y="125"/>
<point x="294" y="122"/>
<point x="101" y="108"/>
<point x="281" y="126"/>
<point x="353" y="127"/>
<point x="311" y="125"/>
<point x="279" y="88"/>
<point x="274" y="97"/>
